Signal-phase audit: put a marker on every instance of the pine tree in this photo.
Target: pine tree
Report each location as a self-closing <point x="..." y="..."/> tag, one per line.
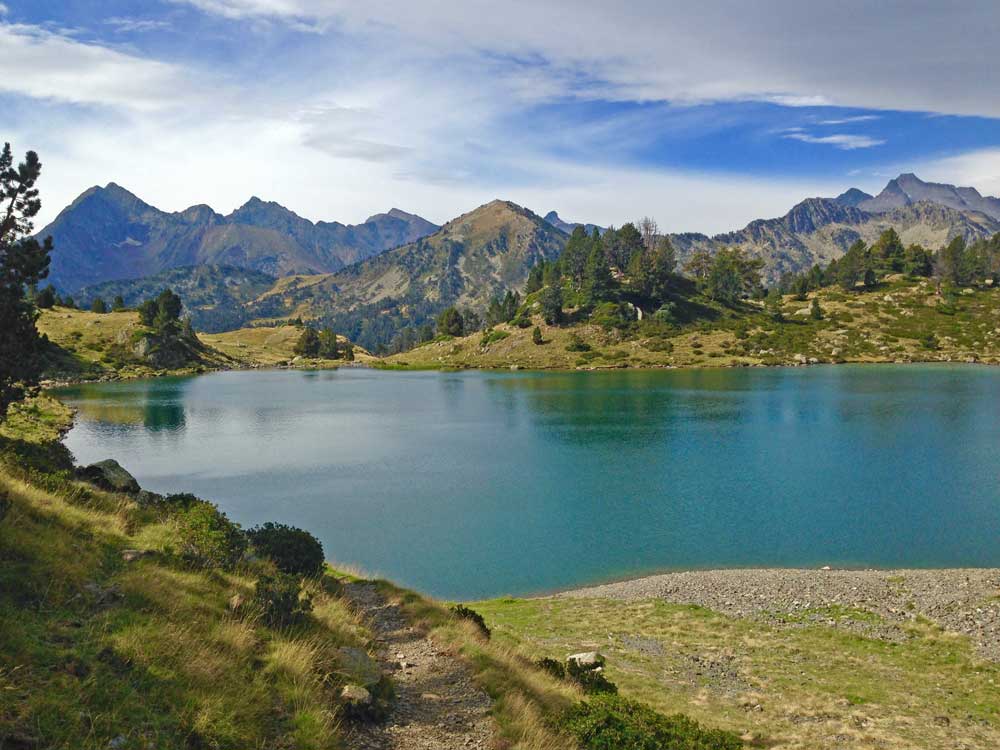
<point x="815" y="311"/>
<point x="118" y="304"/>
<point x="98" y="306"/>
<point x="598" y="284"/>
<point x="308" y="343"/>
<point x="552" y="301"/>
<point x="450" y="322"/>
<point x="328" y="346"/>
<point x="536" y="336"/>
<point x="24" y="261"/>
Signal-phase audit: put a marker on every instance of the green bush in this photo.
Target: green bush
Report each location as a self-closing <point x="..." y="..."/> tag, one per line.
<point x="521" y="321"/>
<point x="591" y="681"/>
<point x="292" y="550"/>
<point x="492" y="336"/>
<point x="208" y="537"/>
<point x="279" y="601"/>
<point x="576" y="344"/>
<point x="536" y="336"/>
<point x="659" y="345"/>
<point x="610" y="722"/>
<point x="553" y="667"/>
<point x="464" y="613"/>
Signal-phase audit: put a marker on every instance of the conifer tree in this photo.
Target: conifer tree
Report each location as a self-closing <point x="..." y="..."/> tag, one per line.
<point x="24" y="261"/>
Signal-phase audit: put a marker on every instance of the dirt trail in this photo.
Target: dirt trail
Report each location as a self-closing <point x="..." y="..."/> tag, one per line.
<point x="438" y="705"/>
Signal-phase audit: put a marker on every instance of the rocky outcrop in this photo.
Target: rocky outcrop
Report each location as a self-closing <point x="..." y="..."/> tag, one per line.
<point x="111" y="476"/>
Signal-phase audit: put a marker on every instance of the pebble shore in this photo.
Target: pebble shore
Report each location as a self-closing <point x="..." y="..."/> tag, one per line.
<point x="960" y="600"/>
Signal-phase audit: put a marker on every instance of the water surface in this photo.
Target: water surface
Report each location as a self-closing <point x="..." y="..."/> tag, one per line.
<point x="475" y="484"/>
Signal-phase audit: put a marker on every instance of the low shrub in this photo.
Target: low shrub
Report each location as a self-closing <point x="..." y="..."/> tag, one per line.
<point x="576" y="344"/>
<point x="491" y="336"/>
<point x="659" y="345"/>
<point x="292" y="550"/>
<point x="464" y="613"/>
<point x="208" y="538"/>
<point x="591" y="681"/>
<point x="611" y="722"/>
<point x="553" y="667"/>
<point x="279" y="600"/>
<point x="521" y="321"/>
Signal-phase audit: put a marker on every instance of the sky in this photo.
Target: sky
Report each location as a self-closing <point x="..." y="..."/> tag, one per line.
<point x="702" y="115"/>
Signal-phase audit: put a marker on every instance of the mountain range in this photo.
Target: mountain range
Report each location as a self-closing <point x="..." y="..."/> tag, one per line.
<point x="817" y="230"/>
<point x="108" y="234"/>
<point x="264" y="263"/>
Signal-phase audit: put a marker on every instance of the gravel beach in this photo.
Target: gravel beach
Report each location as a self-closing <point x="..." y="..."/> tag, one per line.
<point x="960" y="600"/>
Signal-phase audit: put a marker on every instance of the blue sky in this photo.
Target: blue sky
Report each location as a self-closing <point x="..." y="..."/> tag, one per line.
<point x="702" y="117"/>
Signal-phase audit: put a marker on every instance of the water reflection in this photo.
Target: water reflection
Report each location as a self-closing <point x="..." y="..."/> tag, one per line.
<point x="475" y="484"/>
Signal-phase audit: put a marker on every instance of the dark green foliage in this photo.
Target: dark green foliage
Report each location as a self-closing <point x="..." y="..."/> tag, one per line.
<point x="851" y="266"/>
<point x="888" y="251"/>
<point x="450" y="322"/>
<point x="464" y="613"/>
<point x="98" y="306"/>
<point x="46" y="298"/>
<point x="815" y="311"/>
<point x="536" y="336"/>
<point x="576" y="344"/>
<point x="917" y="261"/>
<point x="929" y="342"/>
<point x="348" y="351"/>
<point x="501" y="310"/>
<point x="870" y="281"/>
<point x="208" y="538"/>
<point x="294" y="551"/>
<point x="598" y="284"/>
<point x="163" y="313"/>
<point x="551" y="301"/>
<point x="328" y="346"/>
<point x="951" y="263"/>
<point x="553" y="667"/>
<point x="308" y="344"/>
<point x="279" y="600"/>
<point x="490" y="336"/>
<point x="147" y="312"/>
<point x="610" y="315"/>
<point x="118" y="304"/>
<point x="613" y="723"/>
<point x="24" y="261"/>
<point x="591" y="681"/>
<point x="732" y="276"/>
<point x="772" y="305"/>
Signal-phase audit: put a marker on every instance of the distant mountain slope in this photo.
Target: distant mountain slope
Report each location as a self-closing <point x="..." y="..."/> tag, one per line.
<point x="215" y="297"/>
<point x="566" y="226"/>
<point x="108" y="233"/>
<point x="818" y="230"/>
<point x="468" y="261"/>
<point x="908" y="189"/>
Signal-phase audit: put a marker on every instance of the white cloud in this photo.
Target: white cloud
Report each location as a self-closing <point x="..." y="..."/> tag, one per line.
<point x="849" y="120"/>
<point x="785" y="51"/>
<point x="45" y="65"/>
<point x="4" y="10"/>
<point x="979" y="169"/>
<point x="843" y="141"/>
<point x="136" y="25"/>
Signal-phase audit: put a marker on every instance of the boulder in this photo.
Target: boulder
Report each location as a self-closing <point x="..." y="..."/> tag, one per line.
<point x="147" y="498"/>
<point x="359" y="667"/>
<point x="111" y="476"/>
<point x="588" y="660"/>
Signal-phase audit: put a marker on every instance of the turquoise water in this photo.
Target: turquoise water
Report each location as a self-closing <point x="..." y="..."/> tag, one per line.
<point x="473" y="484"/>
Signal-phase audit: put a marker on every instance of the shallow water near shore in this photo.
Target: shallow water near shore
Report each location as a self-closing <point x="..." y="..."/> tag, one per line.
<point x="477" y="484"/>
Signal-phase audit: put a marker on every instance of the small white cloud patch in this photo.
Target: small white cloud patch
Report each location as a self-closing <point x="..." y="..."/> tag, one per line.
<point x="843" y="141"/>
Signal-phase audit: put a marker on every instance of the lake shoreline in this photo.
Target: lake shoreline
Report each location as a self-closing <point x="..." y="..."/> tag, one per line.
<point x="875" y="602"/>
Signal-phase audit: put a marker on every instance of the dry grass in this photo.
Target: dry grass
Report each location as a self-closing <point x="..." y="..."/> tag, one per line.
<point x="269" y="346"/>
<point x="815" y="685"/>
<point x="93" y="648"/>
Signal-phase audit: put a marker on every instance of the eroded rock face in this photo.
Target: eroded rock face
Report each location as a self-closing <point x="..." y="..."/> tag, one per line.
<point x="111" y="476"/>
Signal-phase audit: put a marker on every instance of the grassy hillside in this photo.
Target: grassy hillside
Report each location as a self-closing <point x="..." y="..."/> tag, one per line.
<point x="269" y="346"/>
<point x="816" y="679"/>
<point x="92" y="345"/>
<point x="900" y="320"/>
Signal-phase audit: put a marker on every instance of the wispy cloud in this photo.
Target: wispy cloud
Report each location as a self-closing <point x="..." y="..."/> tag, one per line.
<point x="126" y="24"/>
<point x="843" y="141"/>
<point x="4" y="10"/>
<point x="849" y="120"/>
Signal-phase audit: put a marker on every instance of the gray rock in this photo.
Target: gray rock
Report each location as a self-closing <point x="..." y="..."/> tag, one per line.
<point x="110" y="475"/>
<point x="359" y="666"/>
<point x="586" y="660"/>
<point x="145" y="497"/>
<point x="357" y="702"/>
